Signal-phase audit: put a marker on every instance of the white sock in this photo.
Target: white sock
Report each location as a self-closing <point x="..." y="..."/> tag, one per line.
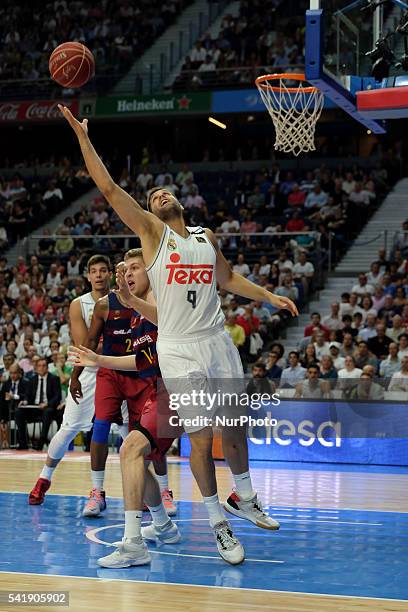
<point x="47" y="472"/>
<point x="97" y="479"/>
<point x="133" y="522"/>
<point x="243" y="486"/>
<point x="163" y="482"/>
<point x="214" y="509"/>
<point x="159" y="515"/>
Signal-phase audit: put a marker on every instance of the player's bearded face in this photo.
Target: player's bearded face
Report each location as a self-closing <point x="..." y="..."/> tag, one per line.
<point x="165" y="206"/>
<point x="136" y="277"/>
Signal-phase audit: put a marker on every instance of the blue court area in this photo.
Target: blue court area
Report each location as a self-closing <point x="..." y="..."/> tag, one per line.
<point x="342" y="552"/>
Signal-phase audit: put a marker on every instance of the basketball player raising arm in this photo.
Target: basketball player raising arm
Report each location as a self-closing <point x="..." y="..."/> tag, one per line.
<point x="150" y="227"/>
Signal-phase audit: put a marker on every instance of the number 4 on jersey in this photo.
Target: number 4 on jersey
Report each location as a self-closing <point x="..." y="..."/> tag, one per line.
<point x="192" y="298"/>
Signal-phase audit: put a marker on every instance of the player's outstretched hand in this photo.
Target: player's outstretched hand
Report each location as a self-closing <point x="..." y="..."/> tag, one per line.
<point x="123" y="292"/>
<point x="285" y="303"/>
<point x="82" y="356"/>
<point x="80" y="127"/>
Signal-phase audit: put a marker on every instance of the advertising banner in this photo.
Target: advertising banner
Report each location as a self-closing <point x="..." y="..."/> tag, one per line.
<point x="35" y="110"/>
<point x="155" y="104"/>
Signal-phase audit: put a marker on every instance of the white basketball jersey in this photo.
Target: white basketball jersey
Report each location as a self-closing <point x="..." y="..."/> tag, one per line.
<point x="183" y="280"/>
<point x="87" y="304"/>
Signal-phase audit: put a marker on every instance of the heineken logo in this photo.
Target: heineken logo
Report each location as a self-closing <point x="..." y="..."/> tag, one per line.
<point x="153" y="104"/>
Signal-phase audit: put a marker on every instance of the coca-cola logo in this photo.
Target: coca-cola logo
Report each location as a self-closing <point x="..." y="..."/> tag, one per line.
<point x="9" y="112"/>
<point x="33" y="111"/>
<point x="39" y="110"/>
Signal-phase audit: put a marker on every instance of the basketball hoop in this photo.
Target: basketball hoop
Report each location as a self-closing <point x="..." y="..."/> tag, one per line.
<point x="295" y="110"/>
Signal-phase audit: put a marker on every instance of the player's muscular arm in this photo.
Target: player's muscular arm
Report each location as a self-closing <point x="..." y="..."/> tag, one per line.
<point x="235" y="283"/>
<point x="136" y="218"/>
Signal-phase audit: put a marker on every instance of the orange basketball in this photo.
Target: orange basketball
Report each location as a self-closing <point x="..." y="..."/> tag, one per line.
<point x="72" y="64"/>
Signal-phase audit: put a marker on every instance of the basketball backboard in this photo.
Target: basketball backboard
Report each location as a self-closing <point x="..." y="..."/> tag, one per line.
<point x="340" y="38"/>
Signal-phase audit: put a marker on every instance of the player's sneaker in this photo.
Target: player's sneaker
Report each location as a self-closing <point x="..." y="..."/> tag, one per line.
<point x="131" y="551"/>
<point x="37" y="495"/>
<point x="166" y="534"/>
<point x="250" y="510"/>
<point x="168" y="502"/>
<point x="95" y="504"/>
<point x="229" y="547"/>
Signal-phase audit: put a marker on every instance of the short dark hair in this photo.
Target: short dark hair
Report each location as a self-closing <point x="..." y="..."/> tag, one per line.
<point x="43" y="359"/>
<point x="133" y="253"/>
<point x="315" y="366"/>
<point x="362" y="342"/>
<point x="315" y="314"/>
<point x="259" y="365"/>
<point x="149" y="195"/>
<point x="346" y="317"/>
<point x="403" y="335"/>
<point x="294" y="353"/>
<point x="345" y="294"/>
<point x="95" y="259"/>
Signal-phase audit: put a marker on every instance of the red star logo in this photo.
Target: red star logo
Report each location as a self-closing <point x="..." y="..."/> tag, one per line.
<point x="184" y="102"/>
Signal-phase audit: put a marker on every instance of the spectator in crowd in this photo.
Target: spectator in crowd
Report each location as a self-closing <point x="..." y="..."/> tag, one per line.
<point x="338" y="360"/>
<point x="44" y="391"/>
<point x="235" y="331"/>
<point x="14" y="389"/>
<point x="363" y="357"/>
<point x="369" y="330"/>
<point x="304" y="271"/>
<point x="62" y="369"/>
<point x="288" y="288"/>
<point x="367" y="308"/>
<point x="327" y="368"/>
<point x="397" y="329"/>
<point x="366" y="389"/>
<point x="380" y="343"/>
<point x="403" y="346"/>
<point x="399" y="380"/>
<point x="273" y="370"/>
<point x="294" y="373"/>
<point x="316" y="199"/>
<point x="311" y="387"/>
<point x="241" y="267"/>
<point x="333" y="321"/>
<point x="260" y="383"/>
<point x="349" y="374"/>
<point x="375" y="276"/>
<point x="391" y="364"/>
<point x="321" y="345"/>
<point x="362" y="287"/>
<point x="309" y="356"/>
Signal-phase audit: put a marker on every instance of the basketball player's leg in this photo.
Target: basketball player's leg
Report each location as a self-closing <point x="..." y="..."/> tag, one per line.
<point x="108" y="403"/>
<point x="138" y="484"/>
<point x="226" y="367"/>
<point x="161" y="471"/>
<point x="77" y="417"/>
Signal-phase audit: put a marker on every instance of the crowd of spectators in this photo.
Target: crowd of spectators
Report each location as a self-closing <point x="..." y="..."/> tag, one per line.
<point x="254" y="43"/>
<point x="117" y="32"/>
<point x="26" y="204"/>
<point x="359" y="349"/>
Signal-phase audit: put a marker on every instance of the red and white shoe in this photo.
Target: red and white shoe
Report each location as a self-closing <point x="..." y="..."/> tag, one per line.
<point x="251" y="510"/>
<point x="168" y="502"/>
<point x="95" y="504"/>
<point x="37" y="495"/>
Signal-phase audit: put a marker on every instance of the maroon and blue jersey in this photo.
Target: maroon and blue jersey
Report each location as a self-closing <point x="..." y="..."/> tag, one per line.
<point x="144" y="335"/>
<point x="117" y="338"/>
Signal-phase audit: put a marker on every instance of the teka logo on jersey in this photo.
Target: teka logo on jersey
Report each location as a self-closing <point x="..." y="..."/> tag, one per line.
<point x="187" y="274"/>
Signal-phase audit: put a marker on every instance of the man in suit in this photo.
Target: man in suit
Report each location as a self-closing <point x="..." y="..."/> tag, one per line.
<point x="13" y="390"/>
<point x="44" y="391"/>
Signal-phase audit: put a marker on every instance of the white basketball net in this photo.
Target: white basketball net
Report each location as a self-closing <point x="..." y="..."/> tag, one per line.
<point x="294" y="114"/>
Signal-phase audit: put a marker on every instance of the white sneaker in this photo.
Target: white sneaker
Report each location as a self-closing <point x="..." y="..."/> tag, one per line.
<point x="229" y="547"/>
<point x="129" y="552"/>
<point x="166" y="534"/>
<point x="250" y="510"/>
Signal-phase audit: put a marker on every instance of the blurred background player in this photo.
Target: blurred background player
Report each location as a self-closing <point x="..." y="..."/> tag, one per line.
<point x="79" y="405"/>
<point x="143" y="442"/>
